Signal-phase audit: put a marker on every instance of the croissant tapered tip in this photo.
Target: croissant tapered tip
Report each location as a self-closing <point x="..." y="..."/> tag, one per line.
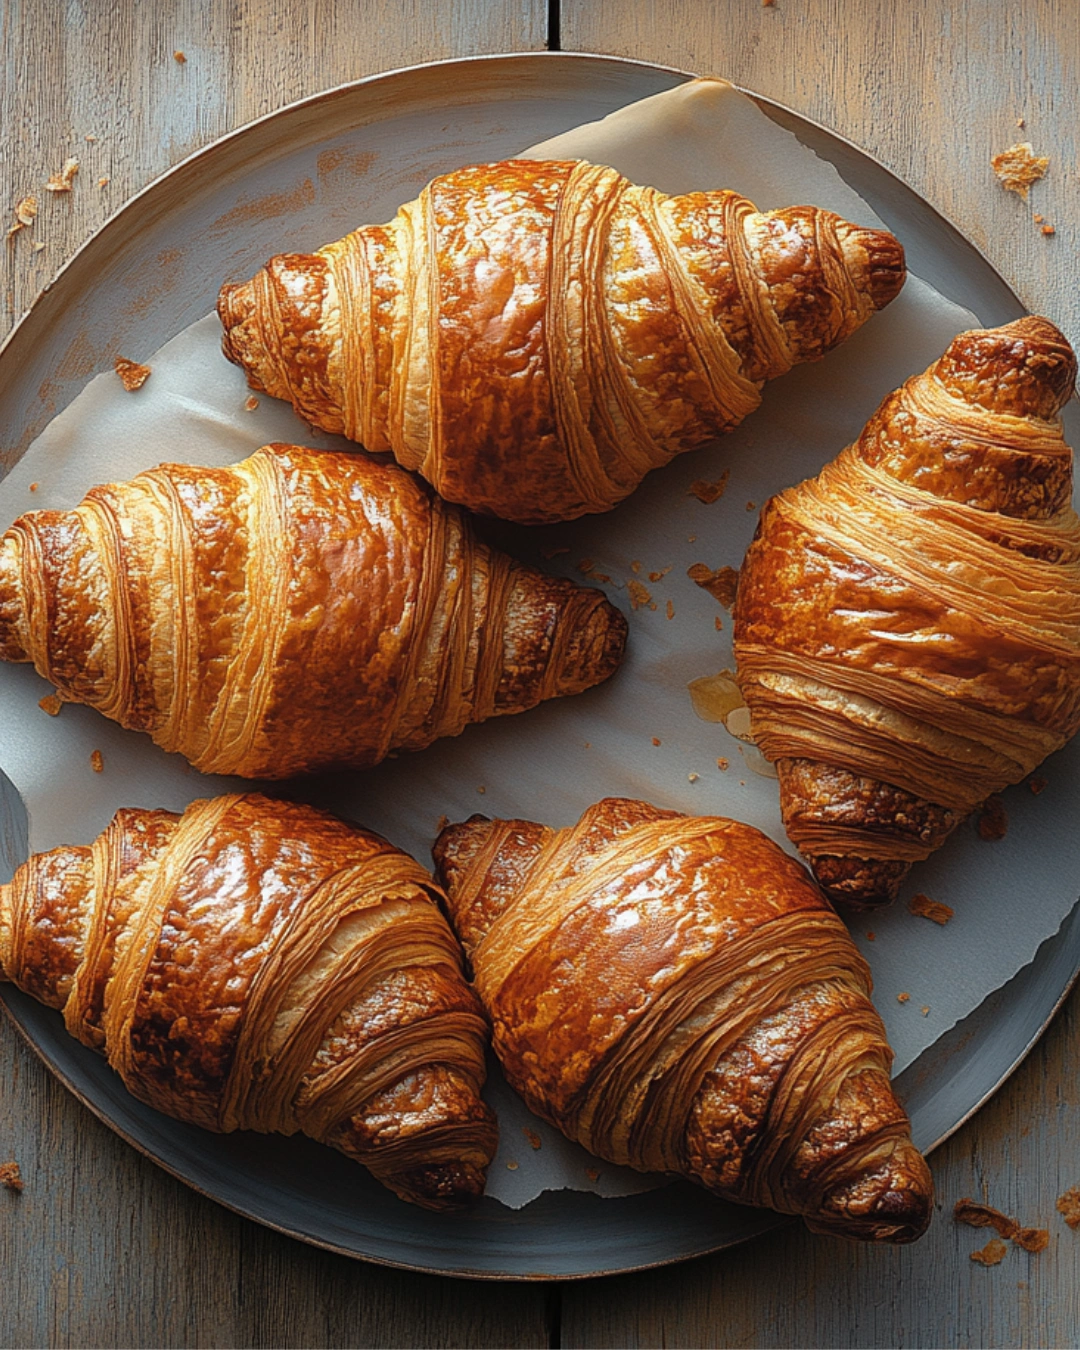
<point x="11" y="603"/>
<point x="886" y="271"/>
<point x="1024" y="369"/>
<point x="236" y="310"/>
<point x="893" y="1203"/>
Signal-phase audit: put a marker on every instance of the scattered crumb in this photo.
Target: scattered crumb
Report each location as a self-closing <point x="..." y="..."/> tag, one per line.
<point x="1068" y="1206"/>
<point x="659" y="576"/>
<point x="588" y="745"/>
<point x="481" y="790"/>
<point x="62" y="181"/>
<point x="722" y="585"/>
<point x="656" y="740"/>
<point x="132" y="375"/>
<point x="97" y="762"/>
<point x="10" y="1176"/>
<point x="1038" y="785"/>
<point x="635" y="566"/>
<point x="90" y="138"/>
<point x="903" y="998"/>
<point x="691" y="538"/>
<point x="39" y="244"/>
<point x="51" y="703"/>
<point x="652" y="604"/>
<point x="925" y="1010"/>
<point x="25" y="214"/>
<point x="533" y="1138"/>
<point x="103" y="182"/>
<point x="692" y="777"/>
<point x="547" y="553"/>
<point x="179" y="58"/>
<point x="671" y="609"/>
<point x="441" y="824"/>
<point x="1032" y="1239"/>
<point x="767" y="4"/>
<point x="593" y="1173"/>
<point x="1037" y="218"/>
<point x="1018" y="167"/>
<point x="585" y="566"/>
<point x="751" y="506"/>
<point x="511" y="1166"/>
<point x="1020" y="122"/>
<point x="718" y="624"/>
<point x="33" y="487"/>
<point x="707" y="492"/>
<point x="250" y="403"/>
<point x="871" y="937"/>
<point x="992" y="1254"/>
<point x="993" y="822"/>
<point x="1048" y="229"/>
<point x="639" y="594"/>
<point x="722" y="765"/>
<point x="926" y="908"/>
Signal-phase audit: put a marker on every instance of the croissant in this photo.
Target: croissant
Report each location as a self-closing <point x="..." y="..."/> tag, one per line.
<point x="258" y="964"/>
<point x="298" y="610"/>
<point x="907" y="626"/>
<point x="534" y="336"/>
<point x="675" y="994"/>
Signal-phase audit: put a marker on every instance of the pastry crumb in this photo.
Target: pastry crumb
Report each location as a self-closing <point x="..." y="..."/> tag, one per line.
<point x="549" y="553"/>
<point x="990" y="1255"/>
<point x="722" y="584"/>
<point x="670" y="609"/>
<point x="1048" y="229"/>
<point x="511" y="1166"/>
<point x="903" y="998"/>
<point x="102" y="182"/>
<point x="751" y="506"/>
<point x="707" y="492"/>
<point x="481" y="790"/>
<point x="132" y="375"/>
<point x="10" y="1176"/>
<point x="533" y="1138"/>
<point x="659" y="576"/>
<point x="1020" y="122"/>
<point x="51" y="703"/>
<point x="1032" y="1239"/>
<point x="692" y="777"/>
<point x="639" y="594"/>
<point x="25" y="214"/>
<point x="250" y="403"/>
<point x="33" y="487"/>
<point x="97" y="761"/>
<point x="993" y="822"/>
<point x="926" y="908"/>
<point x="1038" y="785"/>
<point x="90" y="138"/>
<point x="1068" y="1206"/>
<point x="691" y="538"/>
<point x="1019" y="167"/>
<point x="718" y="624"/>
<point x="593" y="1173"/>
<point x="39" y="244"/>
<point x="986" y="1216"/>
<point x="635" y="566"/>
<point x="179" y="58"/>
<point x="441" y="824"/>
<point x="656" y="740"/>
<point x="925" y="1010"/>
<point x="62" y="181"/>
<point x="871" y="937"/>
<point x="723" y="765"/>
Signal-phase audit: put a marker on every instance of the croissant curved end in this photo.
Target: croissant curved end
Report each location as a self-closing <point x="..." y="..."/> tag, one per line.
<point x="886" y="268"/>
<point x="1025" y="368"/>
<point x="892" y="1204"/>
<point x="238" y="314"/>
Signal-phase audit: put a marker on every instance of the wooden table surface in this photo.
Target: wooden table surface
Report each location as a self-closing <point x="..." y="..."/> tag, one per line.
<point x="104" y="1249"/>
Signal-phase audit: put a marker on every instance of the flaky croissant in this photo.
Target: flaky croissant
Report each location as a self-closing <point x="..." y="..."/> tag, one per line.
<point x="535" y="336"/>
<point x="907" y="627"/>
<point x="298" y="610"/>
<point x="675" y="994"/>
<point x="257" y="964"/>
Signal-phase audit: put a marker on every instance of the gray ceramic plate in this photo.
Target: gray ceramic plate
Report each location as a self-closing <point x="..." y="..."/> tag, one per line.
<point x="155" y="268"/>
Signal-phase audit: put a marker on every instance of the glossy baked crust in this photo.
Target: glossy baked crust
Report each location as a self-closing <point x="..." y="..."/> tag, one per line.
<point x="535" y="336"/>
<point x="675" y="994"/>
<point x="907" y="627"/>
<point x="257" y="964"/>
<point x="295" y="611"/>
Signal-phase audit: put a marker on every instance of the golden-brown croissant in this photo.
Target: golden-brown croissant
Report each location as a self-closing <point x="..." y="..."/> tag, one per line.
<point x="675" y="994"/>
<point x="907" y="627"/>
<point x="535" y="336"/>
<point x="298" y="610"/>
<point x="257" y="964"/>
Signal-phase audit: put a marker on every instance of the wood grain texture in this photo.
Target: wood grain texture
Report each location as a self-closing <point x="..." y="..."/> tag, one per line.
<point x="103" y="1248"/>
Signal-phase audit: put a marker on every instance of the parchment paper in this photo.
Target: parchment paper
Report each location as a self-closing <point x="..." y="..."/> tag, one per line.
<point x="638" y="735"/>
